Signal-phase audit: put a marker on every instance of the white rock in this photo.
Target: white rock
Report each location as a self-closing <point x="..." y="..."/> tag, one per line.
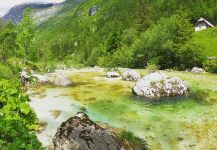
<point x="58" y="79"/>
<point x="41" y="78"/>
<point x="112" y="74"/>
<point x="131" y="75"/>
<point x="62" y="80"/>
<point x="197" y="70"/>
<point x="158" y="85"/>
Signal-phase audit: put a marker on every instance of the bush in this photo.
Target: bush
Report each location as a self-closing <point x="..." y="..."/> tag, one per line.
<point x="120" y="58"/>
<point x="5" y="72"/>
<point x="210" y="65"/>
<point x="16" y="118"/>
<point x="190" y="56"/>
<point x="152" y="65"/>
<point x="46" y="66"/>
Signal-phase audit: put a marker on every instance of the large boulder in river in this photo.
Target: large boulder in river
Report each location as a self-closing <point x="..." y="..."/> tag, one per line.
<point x="157" y="85"/>
<point x="131" y="75"/>
<point x="112" y="74"/>
<point x="80" y="133"/>
<point x="197" y="70"/>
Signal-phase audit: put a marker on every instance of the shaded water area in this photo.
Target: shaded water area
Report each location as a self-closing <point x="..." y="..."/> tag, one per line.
<point x="176" y="123"/>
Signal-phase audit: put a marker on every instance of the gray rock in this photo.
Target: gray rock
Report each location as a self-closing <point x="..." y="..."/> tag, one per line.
<point x="62" y="79"/>
<point x="80" y="133"/>
<point x="157" y="85"/>
<point x="197" y="70"/>
<point x="112" y="74"/>
<point x="57" y="78"/>
<point x="93" y="10"/>
<point x="41" y="78"/>
<point x="131" y="75"/>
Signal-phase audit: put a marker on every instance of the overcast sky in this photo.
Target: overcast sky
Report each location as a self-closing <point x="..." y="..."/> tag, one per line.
<point x="5" y="5"/>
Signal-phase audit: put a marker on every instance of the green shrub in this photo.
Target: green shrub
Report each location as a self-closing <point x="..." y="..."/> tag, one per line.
<point x="152" y="65"/>
<point x="46" y="66"/>
<point x="5" y="72"/>
<point x="17" y="120"/>
<point x="211" y="65"/>
<point x="120" y="58"/>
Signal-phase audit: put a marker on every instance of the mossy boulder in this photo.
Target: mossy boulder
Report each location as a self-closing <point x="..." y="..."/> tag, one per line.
<point x="157" y="85"/>
<point x="79" y="132"/>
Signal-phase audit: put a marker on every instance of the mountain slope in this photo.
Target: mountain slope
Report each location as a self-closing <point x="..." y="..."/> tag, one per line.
<point x="72" y="32"/>
<point x="15" y="13"/>
<point x="207" y="39"/>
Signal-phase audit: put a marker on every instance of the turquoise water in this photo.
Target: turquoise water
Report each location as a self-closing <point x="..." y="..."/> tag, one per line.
<point x="175" y="123"/>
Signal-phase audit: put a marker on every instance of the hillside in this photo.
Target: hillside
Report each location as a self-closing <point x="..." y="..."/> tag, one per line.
<point x="207" y="39"/>
<point x="15" y="13"/>
<point x="117" y="29"/>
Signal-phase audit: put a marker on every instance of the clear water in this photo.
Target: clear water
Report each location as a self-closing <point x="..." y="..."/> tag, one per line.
<point x="176" y="123"/>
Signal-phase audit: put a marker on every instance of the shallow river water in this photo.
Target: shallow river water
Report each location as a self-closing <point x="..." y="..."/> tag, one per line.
<point x="176" y="123"/>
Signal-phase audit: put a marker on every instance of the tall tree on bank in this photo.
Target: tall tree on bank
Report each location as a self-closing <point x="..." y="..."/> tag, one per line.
<point x="8" y="44"/>
<point x="26" y="36"/>
<point x="143" y="20"/>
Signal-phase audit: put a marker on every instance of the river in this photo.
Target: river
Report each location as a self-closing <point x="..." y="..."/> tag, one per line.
<point x="176" y="123"/>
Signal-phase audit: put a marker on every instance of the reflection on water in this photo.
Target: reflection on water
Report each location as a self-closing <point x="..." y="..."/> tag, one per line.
<point x="176" y="123"/>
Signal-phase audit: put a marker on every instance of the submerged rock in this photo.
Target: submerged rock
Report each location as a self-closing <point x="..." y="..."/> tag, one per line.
<point x="131" y="75"/>
<point x="81" y="133"/>
<point x="197" y="70"/>
<point x="157" y="85"/>
<point x="112" y="74"/>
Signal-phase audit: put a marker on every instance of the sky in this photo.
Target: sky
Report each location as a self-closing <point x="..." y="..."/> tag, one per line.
<point x="5" y="5"/>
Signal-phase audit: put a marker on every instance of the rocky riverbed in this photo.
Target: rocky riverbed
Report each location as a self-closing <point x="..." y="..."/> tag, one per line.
<point x="175" y="123"/>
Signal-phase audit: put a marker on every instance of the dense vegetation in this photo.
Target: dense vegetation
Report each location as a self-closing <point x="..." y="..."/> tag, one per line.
<point x="17" y="121"/>
<point x="126" y="33"/>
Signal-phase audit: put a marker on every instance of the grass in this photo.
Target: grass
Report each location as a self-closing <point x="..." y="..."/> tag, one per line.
<point x="207" y="39"/>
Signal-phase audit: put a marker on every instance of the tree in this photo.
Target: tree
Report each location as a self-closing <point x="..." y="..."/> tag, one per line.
<point x="113" y="43"/>
<point x="142" y="10"/>
<point x="8" y="44"/>
<point x="26" y="35"/>
<point x="166" y="42"/>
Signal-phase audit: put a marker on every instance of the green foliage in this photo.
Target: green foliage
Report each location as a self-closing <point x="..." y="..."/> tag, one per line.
<point x="113" y="43"/>
<point x="25" y="36"/>
<point x="207" y="40"/>
<point x="16" y="118"/>
<point x="211" y="65"/>
<point x="152" y="65"/>
<point x="156" y="29"/>
<point x="8" y="44"/>
<point x="191" y="55"/>
<point x="5" y="72"/>
<point x="120" y="58"/>
<point x="167" y="42"/>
